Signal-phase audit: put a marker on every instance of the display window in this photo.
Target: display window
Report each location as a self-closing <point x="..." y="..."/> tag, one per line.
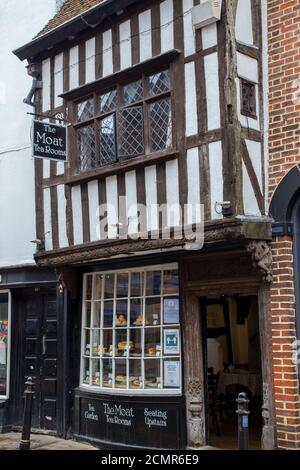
<point x="4" y="343"/>
<point x="131" y="331"/>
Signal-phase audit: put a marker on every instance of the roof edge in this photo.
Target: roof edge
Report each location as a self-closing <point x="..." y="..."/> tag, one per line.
<point x="71" y="27"/>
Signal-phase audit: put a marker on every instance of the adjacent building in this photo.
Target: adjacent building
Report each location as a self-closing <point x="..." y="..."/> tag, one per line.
<point x="26" y="291"/>
<point x="284" y="30"/>
<point x="165" y="104"/>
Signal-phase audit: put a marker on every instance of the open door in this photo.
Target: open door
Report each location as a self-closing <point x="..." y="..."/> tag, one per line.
<point x="232" y="365"/>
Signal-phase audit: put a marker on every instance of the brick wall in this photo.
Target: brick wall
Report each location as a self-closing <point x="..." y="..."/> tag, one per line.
<point x="285" y="370"/>
<point x="284" y="147"/>
<point x="284" y="69"/>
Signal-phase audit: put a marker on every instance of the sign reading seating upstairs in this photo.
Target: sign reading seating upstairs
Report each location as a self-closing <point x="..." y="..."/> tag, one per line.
<point x="49" y="141"/>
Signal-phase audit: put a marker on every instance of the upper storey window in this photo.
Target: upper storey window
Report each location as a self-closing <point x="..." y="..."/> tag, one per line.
<point x="124" y="122"/>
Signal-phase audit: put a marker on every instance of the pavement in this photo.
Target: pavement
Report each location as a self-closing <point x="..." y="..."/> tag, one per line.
<point x="11" y="441"/>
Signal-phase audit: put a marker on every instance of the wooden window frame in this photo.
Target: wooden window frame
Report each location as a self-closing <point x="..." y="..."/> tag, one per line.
<point x="244" y="112"/>
<point x="144" y="103"/>
<point x="127" y="357"/>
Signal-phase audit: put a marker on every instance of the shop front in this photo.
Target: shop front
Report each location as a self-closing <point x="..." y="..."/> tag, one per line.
<point x="130" y="389"/>
<point x="148" y="347"/>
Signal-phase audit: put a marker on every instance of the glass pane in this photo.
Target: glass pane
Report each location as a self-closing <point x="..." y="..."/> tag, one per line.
<point x="137" y="284"/>
<point x="159" y="83"/>
<point x="121" y="342"/>
<point x="109" y="286"/>
<point x="136" y="313"/>
<point x="153" y="282"/>
<point x="86" y="155"/>
<point x="135" y="342"/>
<point x="160" y="125"/>
<point x="122" y="284"/>
<point x="120" y="373"/>
<point x="86" y="371"/>
<point x="88" y="314"/>
<point x="89" y="287"/>
<point x="152" y="311"/>
<point x="87" y="343"/>
<point x="108" y="347"/>
<point x="131" y="132"/>
<point x="107" y="373"/>
<point x="152" y="373"/>
<point x="3" y="342"/>
<point x="108" y="313"/>
<point x="172" y="373"/>
<point x="121" y="313"/>
<point x="108" y="101"/>
<point x="152" y="342"/>
<point x="96" y="372"/>
<point x="85" y="110"/>
<point x="97" y="315"/>
<point x="171" y="282"/>
<point x="133" y="92"/>
<point x="98" y="287"/>
<point x="135" y="374"/>
<point x="107" y="137"/>
<point x="96" y="346"/>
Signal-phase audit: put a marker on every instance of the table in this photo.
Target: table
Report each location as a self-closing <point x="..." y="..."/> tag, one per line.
<point x="251" y="380"/>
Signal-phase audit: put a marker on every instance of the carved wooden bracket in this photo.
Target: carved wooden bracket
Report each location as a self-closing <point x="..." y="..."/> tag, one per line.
<point x="262" y="258"/>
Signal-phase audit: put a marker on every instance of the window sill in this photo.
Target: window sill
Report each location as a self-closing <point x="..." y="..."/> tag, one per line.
<point x="120" y="167"/>
<point x="129" y="393"/>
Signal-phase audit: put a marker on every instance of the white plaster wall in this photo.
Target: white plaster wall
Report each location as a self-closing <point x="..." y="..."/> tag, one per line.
<point x="17" y="208"/>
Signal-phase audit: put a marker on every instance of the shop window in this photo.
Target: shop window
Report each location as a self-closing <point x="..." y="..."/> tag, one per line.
<point x="131" y="331"/>
<point x="125" y="122"/>
<point x="4" y="343"/>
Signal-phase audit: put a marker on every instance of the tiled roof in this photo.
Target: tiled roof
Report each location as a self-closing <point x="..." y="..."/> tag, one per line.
<point x="69" y="10"/>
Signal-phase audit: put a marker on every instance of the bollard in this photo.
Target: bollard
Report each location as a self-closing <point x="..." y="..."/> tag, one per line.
<point x="243" y="421"/>
<point x="25" y="439"/>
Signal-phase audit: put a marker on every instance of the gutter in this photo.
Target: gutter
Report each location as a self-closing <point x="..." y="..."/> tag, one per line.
<point x="71" y="28"/>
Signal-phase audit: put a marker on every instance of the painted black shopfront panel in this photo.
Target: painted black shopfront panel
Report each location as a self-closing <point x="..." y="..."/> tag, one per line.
<point x="130" y="421"/>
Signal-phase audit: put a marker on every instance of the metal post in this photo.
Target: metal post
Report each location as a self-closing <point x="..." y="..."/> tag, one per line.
<point x="29" y="392"/>
<point x="243" y="421"/>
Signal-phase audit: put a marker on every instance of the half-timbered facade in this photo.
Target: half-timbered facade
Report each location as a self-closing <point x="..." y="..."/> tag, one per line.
<point x="164" y="102"/>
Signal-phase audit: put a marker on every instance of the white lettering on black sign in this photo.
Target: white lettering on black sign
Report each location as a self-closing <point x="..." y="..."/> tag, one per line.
<point x="49" y="141"/>
<point x="155" y="418"/>
<point x="90" y="413"/>
<point x="118" y="414"/>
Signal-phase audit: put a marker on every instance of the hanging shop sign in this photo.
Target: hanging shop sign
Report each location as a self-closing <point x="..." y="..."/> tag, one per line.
<point x="49" y="141"/>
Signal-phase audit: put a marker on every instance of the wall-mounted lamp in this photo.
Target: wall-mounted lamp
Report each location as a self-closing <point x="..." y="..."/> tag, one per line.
<point x="225" y="208"/>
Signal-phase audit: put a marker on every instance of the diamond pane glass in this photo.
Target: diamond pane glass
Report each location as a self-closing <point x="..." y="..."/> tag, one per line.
<point x="85" y="110"/>
<point x="86" y="148"/>
<point x="108" y="101"/>
<point x="107" y="140"/>
<point x="130" y="132"/>
<point x="159" y="83"/>
<point x="160" y="125"/>
<point x="133" y="92"/>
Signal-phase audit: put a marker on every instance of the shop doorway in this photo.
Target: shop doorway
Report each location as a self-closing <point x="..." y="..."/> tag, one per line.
<point x="38" y="359"/>
<point x="232" y="365"/>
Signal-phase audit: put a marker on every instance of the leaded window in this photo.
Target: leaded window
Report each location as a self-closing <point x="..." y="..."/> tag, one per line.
<point x="126" y="121"/>
<point x="131" y="330"/>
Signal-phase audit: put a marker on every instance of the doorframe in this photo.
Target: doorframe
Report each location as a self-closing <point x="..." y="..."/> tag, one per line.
<point x="194" y="366"/>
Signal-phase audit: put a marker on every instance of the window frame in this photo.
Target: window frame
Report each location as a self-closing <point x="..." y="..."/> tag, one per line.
<point x="243" y="111"/>
<point x="145" y="102"/>
<point x="131" y="391"/>
<point x="6" y="396"/>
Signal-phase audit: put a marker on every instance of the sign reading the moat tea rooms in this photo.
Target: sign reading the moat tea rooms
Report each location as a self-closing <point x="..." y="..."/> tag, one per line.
<point x="49" y="141"/>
